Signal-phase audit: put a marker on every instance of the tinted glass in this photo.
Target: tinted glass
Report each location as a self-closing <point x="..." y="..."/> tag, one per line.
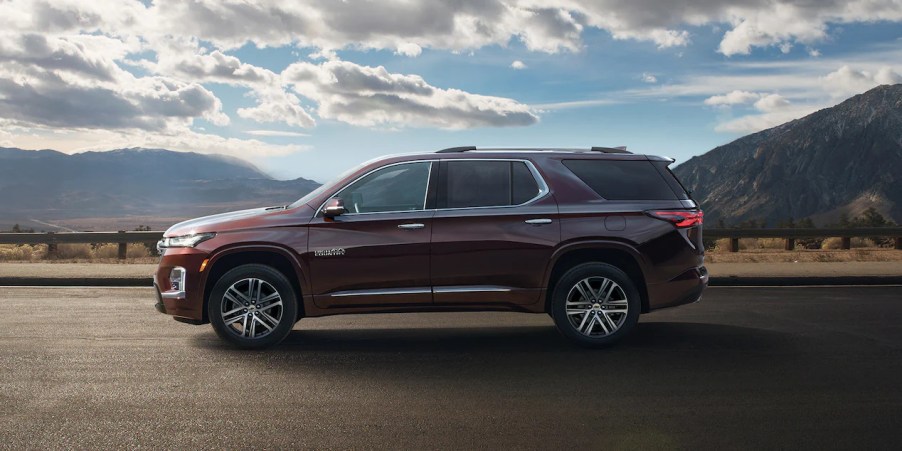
<point x="523" y="184"/>
<point x="465" y="184"/>
<point x="476" y="184"/>
<point x="395" y="188"/>
<point x="622" y="179"/>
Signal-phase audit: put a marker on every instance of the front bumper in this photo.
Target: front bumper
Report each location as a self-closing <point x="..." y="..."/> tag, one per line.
<point x="188" y="304"/>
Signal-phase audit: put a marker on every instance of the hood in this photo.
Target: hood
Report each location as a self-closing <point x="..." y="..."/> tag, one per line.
<point x="242" y="220"/>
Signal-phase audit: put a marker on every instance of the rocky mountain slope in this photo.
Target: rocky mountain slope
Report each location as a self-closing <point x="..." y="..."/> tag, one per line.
<point x="838" y="160"/>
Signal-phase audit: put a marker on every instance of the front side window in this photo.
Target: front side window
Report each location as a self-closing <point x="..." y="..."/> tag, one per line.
<point x="400" y="187"/>
<point x="485" y="183"/>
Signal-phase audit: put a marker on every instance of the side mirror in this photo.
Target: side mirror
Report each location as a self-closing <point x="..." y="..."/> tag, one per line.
<point x="334" y="207"/>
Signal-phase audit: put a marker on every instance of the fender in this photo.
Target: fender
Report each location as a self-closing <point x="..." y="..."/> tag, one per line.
<point x="599" y="244"/>
<point x="299" y="269"/>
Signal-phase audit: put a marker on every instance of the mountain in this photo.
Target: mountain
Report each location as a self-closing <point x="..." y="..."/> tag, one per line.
<point x="46" y="185"/>
<point x="838" y="160"/>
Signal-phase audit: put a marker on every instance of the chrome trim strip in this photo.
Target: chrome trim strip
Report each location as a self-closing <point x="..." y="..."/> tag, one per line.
<point x="173" y="295"/>
<point x="540" y="181"/>
<point x="538" y="221"/>
<point x="380" y="292"/>
<point x="470" y="289"/>
<point x="411" y="226"/>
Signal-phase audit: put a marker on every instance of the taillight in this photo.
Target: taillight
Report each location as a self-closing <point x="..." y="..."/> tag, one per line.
<point x="679" y="218"/>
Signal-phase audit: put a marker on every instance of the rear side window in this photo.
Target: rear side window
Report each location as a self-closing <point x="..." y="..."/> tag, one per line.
<point x="622" y="179"/>
<point x="467" y="184"/>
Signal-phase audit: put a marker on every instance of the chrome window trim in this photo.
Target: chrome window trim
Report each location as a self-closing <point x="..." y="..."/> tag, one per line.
<point x="319" y="210"/>
<point x="540" y="181"/>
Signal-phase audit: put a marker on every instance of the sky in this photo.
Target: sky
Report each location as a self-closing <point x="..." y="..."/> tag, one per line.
<point x="309" y="89"/>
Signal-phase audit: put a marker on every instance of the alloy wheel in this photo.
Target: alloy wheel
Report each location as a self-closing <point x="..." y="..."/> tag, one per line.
<point x="597" y="306"/>
<point x="251" y="308"/>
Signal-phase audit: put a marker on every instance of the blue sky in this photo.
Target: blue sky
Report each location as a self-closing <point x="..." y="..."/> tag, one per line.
<point x="313" y="88"/>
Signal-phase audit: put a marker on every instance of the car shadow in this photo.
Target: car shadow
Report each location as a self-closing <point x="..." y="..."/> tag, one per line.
<point x="650" y="336"/>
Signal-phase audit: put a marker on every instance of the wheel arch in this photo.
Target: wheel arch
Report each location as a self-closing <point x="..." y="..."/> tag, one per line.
<point x="270" y="255"/>
<point x="614" y="253"/>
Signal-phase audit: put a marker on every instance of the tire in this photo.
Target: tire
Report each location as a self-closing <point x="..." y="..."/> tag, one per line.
<point x="585" y="317"/>
<point x="253" y="306"/>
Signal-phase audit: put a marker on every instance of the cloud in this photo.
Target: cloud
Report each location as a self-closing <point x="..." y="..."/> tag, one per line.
<point x="771" y="103"/>
<point x="372" y="96"/>
<point x="276" y="133"/>
<point x="649" y="78"/>
<point x="847" y="81"/>
<point x="732" y="98"/>
<point x="408" y="49"/>
<point x="518" y="65"/>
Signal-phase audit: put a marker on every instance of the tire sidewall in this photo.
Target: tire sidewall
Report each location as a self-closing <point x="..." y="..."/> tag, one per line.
<point x="580" y="272"/>
<point x="269" y="275"/>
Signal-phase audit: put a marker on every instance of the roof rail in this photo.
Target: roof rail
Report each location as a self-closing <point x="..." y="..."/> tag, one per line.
<point x="457" y="149"/>
<point x="618" y="149"/>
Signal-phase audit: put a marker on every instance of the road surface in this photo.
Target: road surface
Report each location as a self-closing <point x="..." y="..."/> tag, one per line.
<point x="745" y="368"/>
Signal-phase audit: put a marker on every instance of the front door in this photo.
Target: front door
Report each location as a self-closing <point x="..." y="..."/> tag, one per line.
<point x="493" y="234"/>
<point x="377" y="253"/>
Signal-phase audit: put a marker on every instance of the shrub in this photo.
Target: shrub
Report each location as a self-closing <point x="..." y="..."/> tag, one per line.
<point x="836" y="243"/>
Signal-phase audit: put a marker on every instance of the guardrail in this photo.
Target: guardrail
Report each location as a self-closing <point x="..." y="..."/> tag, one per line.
<point x="791" y="235"/>
<point x="52" y="239"/>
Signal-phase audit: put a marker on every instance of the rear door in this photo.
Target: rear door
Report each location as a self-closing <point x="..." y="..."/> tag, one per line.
<point x="493" y="232"/>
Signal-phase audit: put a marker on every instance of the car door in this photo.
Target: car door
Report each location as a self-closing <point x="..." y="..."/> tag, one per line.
<point x="493" y="233"/>
<point x="377" y="253"/>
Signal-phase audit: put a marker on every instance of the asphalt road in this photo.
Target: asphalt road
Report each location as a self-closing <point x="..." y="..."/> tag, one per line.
<point x="817" y="368"/>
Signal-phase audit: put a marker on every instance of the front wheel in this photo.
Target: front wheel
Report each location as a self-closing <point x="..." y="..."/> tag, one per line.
<point x="595" y="304"/>
<point x="252" y="306"/>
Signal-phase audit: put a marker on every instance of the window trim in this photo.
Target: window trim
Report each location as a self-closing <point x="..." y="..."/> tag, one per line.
<point x="540" y="181"/>
<point x="319" y="210"/>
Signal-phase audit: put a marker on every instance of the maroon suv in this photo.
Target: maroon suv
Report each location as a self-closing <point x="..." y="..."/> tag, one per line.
<point x="592" y="237"/>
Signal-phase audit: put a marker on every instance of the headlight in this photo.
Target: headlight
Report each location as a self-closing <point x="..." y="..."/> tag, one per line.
<point x="185" y="240"/>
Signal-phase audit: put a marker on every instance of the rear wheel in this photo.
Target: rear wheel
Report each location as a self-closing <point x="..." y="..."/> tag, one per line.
<point x="595" y="304"/>
<point x="252" y="306"/>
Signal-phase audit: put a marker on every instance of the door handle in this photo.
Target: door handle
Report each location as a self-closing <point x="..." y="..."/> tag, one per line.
<point x="538" y="221"/>
<point x="411" y="226"/>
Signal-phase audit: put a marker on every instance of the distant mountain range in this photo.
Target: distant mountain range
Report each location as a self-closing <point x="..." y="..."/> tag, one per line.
<point x="843" y="159"/>
<point x="154" y="186"/>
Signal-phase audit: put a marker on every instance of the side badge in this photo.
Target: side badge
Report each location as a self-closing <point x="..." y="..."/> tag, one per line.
<point x="334" y="252"/>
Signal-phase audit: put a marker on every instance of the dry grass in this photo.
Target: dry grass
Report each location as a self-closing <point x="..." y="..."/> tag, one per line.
<point x="80" y="253"/>
<point x="860" y="254"/>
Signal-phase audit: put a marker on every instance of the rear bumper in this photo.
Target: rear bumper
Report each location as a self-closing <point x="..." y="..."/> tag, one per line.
<point x="683" y="289"/>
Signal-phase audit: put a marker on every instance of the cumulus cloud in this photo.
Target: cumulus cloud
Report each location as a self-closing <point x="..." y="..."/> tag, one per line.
<point x="732" y="98"/>
<point x="847" y="81"/>
<point x="373" y="96"/>
<point x="518" y="65"/>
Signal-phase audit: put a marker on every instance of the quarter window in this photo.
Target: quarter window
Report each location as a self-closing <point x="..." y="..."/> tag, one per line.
<point x="399" y="187"/>
<point x="467" y="184"/>
<point x="622" y="179"/>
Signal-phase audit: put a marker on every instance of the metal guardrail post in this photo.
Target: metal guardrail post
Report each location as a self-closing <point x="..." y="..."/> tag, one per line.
<point x="123" y="247"/>
<point x="52" y="250"/>
<point x="789" y="244"/>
